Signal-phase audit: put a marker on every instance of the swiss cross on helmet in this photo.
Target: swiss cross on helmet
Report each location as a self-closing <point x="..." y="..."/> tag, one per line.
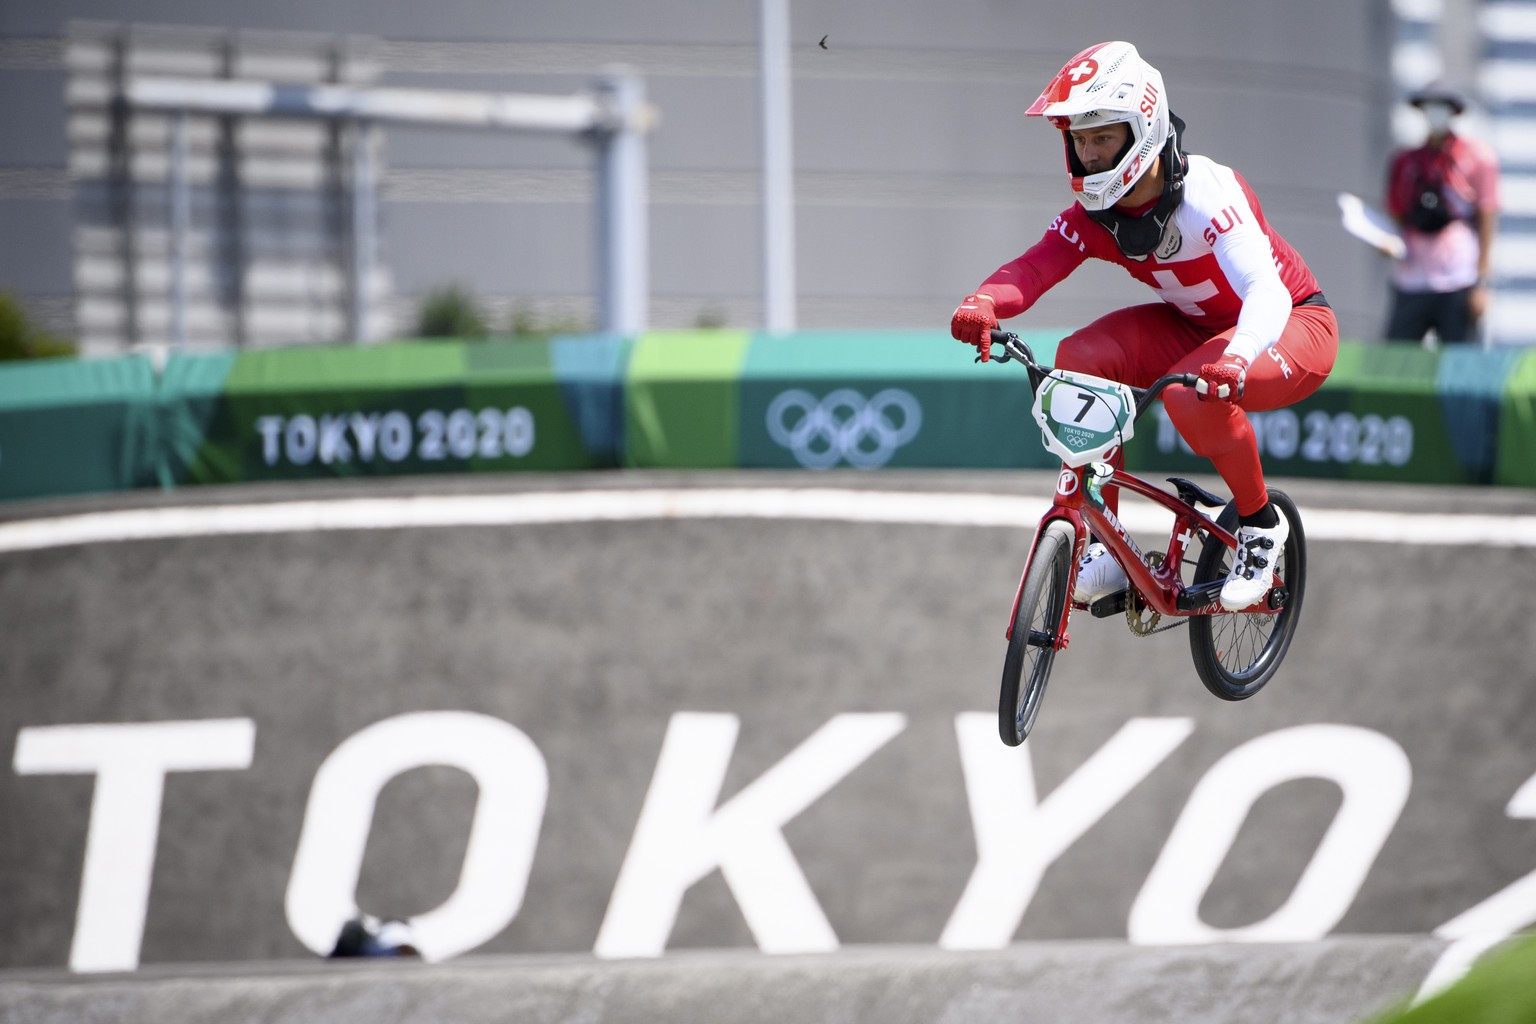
<point x="1107" y="84"/>
<point x="1110" y="84"/>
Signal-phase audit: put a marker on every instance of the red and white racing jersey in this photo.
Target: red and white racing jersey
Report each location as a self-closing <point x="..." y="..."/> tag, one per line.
<point x="1219" y="264"/>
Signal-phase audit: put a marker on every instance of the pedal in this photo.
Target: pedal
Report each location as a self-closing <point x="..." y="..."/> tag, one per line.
<point x="1202" y="595"/>
<point x="1192" y="493"/>
<point x="1112" y="604"/>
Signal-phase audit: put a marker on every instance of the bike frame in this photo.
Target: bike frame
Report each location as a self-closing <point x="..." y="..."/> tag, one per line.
<point x="1079" y="500"/>
<point x="1162" y="588"/>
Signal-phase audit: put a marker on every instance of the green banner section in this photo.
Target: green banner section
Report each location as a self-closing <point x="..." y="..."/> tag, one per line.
<point x="1386" y="413"/>
<point x="1517" y="425"/>
<point x="681" y="397"/>
<point x="418" y="407"/>
<point x="77" y="426"/>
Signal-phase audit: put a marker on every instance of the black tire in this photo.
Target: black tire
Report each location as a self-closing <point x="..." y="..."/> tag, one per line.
<point x="1237" y="654"/>
<point x="1030" y="648"/>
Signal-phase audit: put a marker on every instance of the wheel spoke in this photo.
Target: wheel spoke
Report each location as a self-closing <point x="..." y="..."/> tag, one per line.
<point x="1236" y="653"/>
<point x="1033" y="646"/>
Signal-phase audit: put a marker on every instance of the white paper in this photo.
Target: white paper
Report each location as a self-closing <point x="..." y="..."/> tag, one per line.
<point x="1370" y="226"/>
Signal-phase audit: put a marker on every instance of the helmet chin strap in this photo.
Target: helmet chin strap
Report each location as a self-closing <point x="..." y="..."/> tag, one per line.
<point x="1137" y="236"/>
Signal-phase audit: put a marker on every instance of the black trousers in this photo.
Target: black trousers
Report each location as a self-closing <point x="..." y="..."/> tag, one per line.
<point x="1414" y="313"/>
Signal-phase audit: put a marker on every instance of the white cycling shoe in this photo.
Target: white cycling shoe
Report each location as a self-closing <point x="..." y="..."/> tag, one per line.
<point x="1258" y="550"/>
<point x="1098" y="575"/>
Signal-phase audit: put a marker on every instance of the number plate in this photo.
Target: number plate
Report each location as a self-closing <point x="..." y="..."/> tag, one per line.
<point x="1083" y="417"/>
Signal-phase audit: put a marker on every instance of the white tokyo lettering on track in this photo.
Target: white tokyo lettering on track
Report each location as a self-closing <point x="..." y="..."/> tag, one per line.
<point x="686" y="832"/>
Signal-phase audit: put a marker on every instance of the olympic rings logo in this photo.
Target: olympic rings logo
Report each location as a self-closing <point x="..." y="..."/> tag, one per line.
<point x="844" y="426"/>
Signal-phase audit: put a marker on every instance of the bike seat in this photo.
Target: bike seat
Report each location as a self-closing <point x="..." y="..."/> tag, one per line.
<point x="1192" y="493"/>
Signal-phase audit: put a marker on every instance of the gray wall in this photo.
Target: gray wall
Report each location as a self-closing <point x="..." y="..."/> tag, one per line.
<point x="916" y="172"/>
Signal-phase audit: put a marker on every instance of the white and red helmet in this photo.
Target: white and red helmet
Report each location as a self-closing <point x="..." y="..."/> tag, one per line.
<point x="1107" y="84"/>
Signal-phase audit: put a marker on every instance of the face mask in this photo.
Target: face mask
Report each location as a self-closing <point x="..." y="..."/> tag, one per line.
<point x="1439" y="116"/>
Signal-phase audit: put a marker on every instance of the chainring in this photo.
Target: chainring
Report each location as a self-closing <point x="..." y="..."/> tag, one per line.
<point x="1139" y="616"/>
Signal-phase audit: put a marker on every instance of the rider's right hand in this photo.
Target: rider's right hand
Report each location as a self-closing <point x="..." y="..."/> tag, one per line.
<point x="974" y="322"/>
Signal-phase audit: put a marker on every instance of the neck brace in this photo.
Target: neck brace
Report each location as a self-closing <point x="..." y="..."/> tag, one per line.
<point x="1137" y="236"/>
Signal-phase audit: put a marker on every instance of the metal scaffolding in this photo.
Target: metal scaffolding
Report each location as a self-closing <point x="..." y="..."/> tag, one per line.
<point x="614" y="116"/>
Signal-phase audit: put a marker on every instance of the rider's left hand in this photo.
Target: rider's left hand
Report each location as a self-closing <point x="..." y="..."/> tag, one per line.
<point x="1223" y="379"/>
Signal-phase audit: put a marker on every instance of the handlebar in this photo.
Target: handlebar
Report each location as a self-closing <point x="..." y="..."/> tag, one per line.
<point x="1016" y="350"/>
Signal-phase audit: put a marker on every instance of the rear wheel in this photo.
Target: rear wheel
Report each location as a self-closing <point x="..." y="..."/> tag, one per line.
<point x="1236" y="654"/>
<point x="1032" y="647"/>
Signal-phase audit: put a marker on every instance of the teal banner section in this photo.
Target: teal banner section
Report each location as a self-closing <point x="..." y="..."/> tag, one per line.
<point x="590" y="372"/>
<point x="820" y="400"/>
<point x="77" y="426"/>
<point x="1470" y="383"/>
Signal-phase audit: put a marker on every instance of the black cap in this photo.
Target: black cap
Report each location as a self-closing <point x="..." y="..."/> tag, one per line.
<point x="1438" y="92"/>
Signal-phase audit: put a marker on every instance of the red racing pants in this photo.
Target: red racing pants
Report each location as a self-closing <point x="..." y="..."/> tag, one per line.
<point x="1142" y="343"/>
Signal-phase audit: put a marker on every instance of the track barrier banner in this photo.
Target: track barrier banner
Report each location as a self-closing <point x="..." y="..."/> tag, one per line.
<point x="696" y="400"/>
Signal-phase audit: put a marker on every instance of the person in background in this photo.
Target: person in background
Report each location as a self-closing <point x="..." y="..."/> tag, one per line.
<point x="1444" y="196"/>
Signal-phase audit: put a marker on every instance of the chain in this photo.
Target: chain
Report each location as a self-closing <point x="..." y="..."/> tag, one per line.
<point x="1142" y="620"/>
<point x="1181" y="621"/>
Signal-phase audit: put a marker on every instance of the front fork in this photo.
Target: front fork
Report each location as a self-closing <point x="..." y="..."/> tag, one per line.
<point x="1072" y="490"/>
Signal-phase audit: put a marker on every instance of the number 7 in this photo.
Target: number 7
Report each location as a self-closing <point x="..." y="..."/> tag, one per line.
<point x="1087" y="398"/>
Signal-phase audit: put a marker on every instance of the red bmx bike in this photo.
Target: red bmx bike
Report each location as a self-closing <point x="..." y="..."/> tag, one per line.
<point x="1082" y="420"/>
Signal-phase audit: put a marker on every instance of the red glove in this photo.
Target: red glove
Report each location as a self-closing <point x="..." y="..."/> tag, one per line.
<point x="974" y="322"/>
<point x="1223" y="379"/>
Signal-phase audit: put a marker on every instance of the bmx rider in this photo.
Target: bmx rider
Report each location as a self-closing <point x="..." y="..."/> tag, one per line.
<point x="1238" y="305"/>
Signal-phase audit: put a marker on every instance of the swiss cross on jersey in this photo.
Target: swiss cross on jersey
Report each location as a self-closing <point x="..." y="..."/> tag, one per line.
<point x="1190" y="280"/>
<point x="1186" y="274"/>
<point x="1190" y="291"/>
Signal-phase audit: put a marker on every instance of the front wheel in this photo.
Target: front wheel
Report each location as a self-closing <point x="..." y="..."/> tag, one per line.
<point x="1236" y="654"/>
<point x="1032" y="647"/>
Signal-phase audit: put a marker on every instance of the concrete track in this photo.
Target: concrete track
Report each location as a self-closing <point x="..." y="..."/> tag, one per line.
<point x="1333" y="982"/>
<point x="594" y="636"/>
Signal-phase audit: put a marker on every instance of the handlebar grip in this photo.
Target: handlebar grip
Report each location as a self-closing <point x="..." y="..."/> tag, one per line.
<point x="999" y="336"/>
